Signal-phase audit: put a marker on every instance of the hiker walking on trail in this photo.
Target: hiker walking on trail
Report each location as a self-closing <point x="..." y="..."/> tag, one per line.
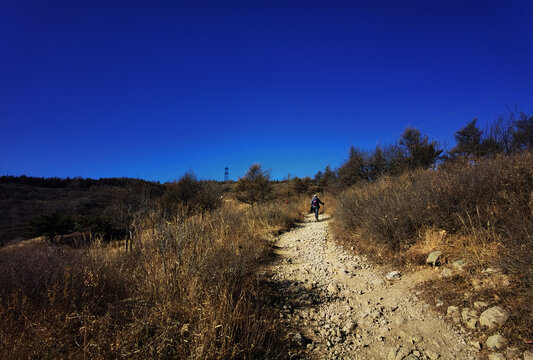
<point x="315" y="205"/>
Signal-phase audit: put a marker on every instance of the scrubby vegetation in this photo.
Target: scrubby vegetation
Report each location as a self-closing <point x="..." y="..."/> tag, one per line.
<point x="187" y="289"/>
<point x="489" y="202"/>
<point x="26" y="201"/>
<point x="482" y="190"/>
<point x="254" y="187"/>
<point x="473" y="203"/>
<point x="103" y="209"/>
<point x="185" y="284"/>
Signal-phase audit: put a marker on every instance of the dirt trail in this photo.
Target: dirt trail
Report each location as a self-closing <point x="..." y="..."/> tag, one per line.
<point x="338" y="306"/>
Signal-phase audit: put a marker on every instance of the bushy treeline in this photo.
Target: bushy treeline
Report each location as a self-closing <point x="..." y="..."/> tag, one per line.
<point x="194" y="194"/>
<point x="129" y="205"/>
<point x="492" y="198"/>
<point x="507" y="135"/>
<point x="76" y="182"/>
<point x="473" y="202"/>
<point x="55" y="227"/>
<point x="413" y="150"/>
<point x="485" y="181"/>
<point x="255" y="186"/>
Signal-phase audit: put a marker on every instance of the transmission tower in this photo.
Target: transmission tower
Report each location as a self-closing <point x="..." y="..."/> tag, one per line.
<point x="226" y="173"/>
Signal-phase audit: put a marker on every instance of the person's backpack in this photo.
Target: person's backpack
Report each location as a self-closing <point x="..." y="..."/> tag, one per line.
<point x="314" y="202"/>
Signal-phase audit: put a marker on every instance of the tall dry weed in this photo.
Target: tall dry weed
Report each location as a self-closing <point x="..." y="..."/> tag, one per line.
<point x="187" y="290"/>
<point x="487" y="202"/>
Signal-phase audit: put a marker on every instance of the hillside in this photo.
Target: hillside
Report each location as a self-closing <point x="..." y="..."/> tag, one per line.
<point x="22" y="199"/>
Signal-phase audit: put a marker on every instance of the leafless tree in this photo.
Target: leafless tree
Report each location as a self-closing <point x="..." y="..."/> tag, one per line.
<point x="131" y="207"/>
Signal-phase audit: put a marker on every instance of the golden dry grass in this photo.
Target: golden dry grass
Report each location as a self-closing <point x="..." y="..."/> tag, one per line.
<point x="481" y="212"/>
<point x="187" y="290"/>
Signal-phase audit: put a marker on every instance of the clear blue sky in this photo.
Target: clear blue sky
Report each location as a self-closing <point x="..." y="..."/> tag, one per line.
<point x="152" y="89"/>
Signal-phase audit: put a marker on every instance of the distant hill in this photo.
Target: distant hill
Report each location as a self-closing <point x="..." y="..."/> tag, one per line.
<point x="24" y="198"/>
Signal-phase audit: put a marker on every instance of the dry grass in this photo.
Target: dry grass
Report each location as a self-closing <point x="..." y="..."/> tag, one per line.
<point x="187" y="290"/>
<point x="482" y="213"/>
<point x="482" y="209"/>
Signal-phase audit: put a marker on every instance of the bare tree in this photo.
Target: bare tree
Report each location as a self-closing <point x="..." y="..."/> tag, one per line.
<point x="131" y="207"/>
<point x="499" y="136"/>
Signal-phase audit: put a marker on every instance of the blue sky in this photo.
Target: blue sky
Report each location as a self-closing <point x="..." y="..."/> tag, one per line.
<point x="152" y="89"/>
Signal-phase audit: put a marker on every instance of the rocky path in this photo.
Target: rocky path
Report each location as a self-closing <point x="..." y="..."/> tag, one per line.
<point x="338" y="306"/>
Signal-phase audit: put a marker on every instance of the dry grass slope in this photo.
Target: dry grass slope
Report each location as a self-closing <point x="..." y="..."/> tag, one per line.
<point x="187" y="290"/>
<point x="481" y="212"/>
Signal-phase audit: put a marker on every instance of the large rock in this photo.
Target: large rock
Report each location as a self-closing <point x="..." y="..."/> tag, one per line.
<point x="475" y="344"/>
<point x="402" y="353"/>
<point x="434" y="258"/>
<point x="453" y="313"/>
<point x="496" y="342"/>
<point x="493" y="317"/>
<point x="299" y="339"/>
<point x="411" y="357"/>
<point x="511" y="353"/>
<point x="480" y="305"/>
<point x="392" y="353"/>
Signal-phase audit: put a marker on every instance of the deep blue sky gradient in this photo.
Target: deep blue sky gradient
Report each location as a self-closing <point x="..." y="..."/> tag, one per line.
<point x="152" y="89"/>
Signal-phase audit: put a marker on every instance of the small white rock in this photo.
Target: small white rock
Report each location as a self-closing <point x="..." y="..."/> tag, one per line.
<point x="393" y="275"/>
<point x="333" y="289"/>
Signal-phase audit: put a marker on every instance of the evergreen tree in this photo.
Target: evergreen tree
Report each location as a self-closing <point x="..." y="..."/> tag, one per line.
<point x="354" y="169"/>
<point x="420" y="151"/>
<point x="468" y="140"/>
<point x="379" y="164"/>
<point x="254" y="186"/>
<point x="523" y="132"/>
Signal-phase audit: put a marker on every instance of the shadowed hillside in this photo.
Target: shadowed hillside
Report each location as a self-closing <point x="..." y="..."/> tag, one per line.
<point x="23" y="200"/>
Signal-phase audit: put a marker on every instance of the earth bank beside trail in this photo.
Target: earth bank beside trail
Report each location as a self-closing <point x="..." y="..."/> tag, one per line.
<point x="338" y="306"/>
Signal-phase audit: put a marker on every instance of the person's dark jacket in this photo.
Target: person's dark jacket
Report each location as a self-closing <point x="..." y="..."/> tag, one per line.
<point x="317" y="203"/>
